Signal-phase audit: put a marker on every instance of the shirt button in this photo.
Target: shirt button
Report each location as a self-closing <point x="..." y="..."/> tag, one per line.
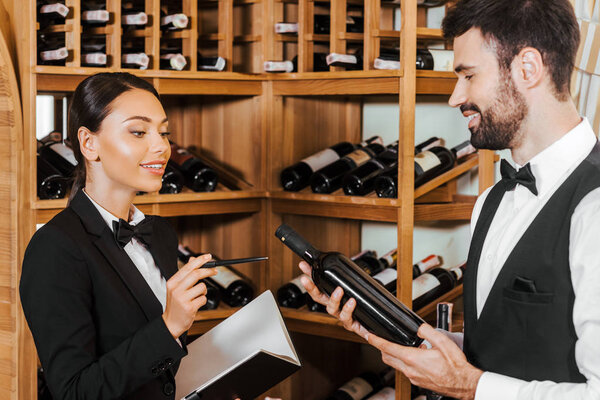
<point x="168" y="389"/>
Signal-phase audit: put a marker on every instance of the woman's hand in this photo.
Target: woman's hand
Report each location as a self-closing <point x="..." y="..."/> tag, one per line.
<point x="333" y="303"/>
<point x="185" y="295"/>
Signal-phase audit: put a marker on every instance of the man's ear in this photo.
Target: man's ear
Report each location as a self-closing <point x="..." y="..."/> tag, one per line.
<point x="88" y="144"/>
<point x="529" y="67"/>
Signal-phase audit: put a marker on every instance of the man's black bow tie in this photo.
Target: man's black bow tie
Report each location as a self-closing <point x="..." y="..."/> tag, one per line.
<point x="142" y="231"/>
<point x="524" y="176"/>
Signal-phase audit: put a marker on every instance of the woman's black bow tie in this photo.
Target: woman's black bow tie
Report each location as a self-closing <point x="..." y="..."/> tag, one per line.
<point x="524" y="176"/>
<point x="142" y="231"/>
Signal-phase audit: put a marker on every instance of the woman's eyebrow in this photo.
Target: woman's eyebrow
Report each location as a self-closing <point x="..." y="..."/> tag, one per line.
<point x="145" y="119"/>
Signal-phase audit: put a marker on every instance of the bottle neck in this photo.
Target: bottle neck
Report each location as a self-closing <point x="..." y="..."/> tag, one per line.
<point x="311" y="255"/>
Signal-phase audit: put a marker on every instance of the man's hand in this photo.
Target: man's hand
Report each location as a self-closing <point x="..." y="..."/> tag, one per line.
<point x="443" y="368"/>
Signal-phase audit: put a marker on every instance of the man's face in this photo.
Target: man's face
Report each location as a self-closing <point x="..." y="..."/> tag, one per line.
<point x="486" y="94"/>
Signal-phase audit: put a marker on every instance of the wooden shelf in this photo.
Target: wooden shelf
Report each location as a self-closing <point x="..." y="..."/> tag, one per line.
<point x="435" y="82"/>
<point x="316" y="324"/>
<point x="429" y="34"/>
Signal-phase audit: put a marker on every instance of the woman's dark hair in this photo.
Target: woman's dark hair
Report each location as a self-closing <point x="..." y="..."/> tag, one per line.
<point x="91" y="104"/>
<point x="550" y="26"/>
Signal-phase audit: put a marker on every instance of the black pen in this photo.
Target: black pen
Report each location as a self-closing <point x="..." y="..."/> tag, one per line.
<point x="218" y="263"/>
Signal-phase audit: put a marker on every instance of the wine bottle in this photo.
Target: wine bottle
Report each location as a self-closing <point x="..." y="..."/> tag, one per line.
<point x="322" y="24"/>
<point x="435" y="59"/>
<point x="133" y="18"/>
<point x="60" y="157"/>
<point x="211" y="63"/>
<point x="355" y="24"/>
<point x="462" y="150"/>
<point x="435" y="283"/>
<point x="213" y="294"/>
<point x="444" y="321"/>
<point x="52" y="14"/>
<point x="198" y="176"/>
<point x="376" y="309"/>
<point x="389" y="58"/>
<point x="172" y="180"/>
<point x="52" y="137"/>
<point x="429" y="143"/>
<point x="297" y="176"/>
<point x="329" y="178"/>
<point x="389" y="259"/>
<point x="235" y="290"/>
<point x="94" y="14"/>
<point x="361" y="180"/>
<point x="51" y="184"/>
<point x="286" y="27"/>
<point x="52" y="51"/>
<point x="363" y="385"/>
<point x="348" y="61"/>
<point x="387" y="393"/>
<point x="431" y="163"/>
<point x="172" y="59"/>
<point x="292" y="294"/>
<point x="173" y="22"/>
<point x="424" y="59"/>
<point x="278" y="66"/>
<point x="388" y="277"/>
<point x="93" y="53"/>
<point x="134" y="58"/>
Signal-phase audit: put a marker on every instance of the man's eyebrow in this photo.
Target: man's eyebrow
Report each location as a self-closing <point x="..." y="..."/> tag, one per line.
<point x="145" y="119"/>
<point x="461" y="68"/>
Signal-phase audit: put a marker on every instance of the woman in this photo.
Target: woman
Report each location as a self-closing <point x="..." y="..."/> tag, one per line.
<point x="100" y="288"/>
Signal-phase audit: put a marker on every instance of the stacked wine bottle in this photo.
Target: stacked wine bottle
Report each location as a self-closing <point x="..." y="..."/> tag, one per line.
<point x="369" y="167"/>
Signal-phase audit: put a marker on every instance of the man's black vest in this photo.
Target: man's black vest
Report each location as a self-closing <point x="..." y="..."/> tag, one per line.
<point x="523" y="332"/>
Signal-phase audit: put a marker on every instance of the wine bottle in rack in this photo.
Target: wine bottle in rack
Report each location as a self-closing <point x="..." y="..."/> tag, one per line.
<point x="387" y="59"/>
<point x="322" y="24"/>
<point x="429" y="262"/>
<point x="355" y="24"/>
<point x="297" y="176"/>
<point x="424" y="59"/>
<point x="329" y="178"/>
<point x="388" y="277"/>
<point x="60" y="157"/>
<point x="292" y="294"/>
<point x="429" y="143"/>
<point x="133" y="18"/>
<point x="435" y="283"/>
<point x="348" y="61"/>
<point x="435" y="59"/>
<point x="94" y="14"/>
<point x="319" y="62"/>
<point x="376" y="308"/>
<point x="213" y="294"/>
<point x="172" y="180"/>
<point x="93" y="53"/>
<point x="278" y="66"/>
<point x="134" y="57"/>
<point x="361" y="180"/>
<point x="211" y="63"/>
<point x="173" y="22"/>
<point x="462" y="150"/>
<point x="235" y="290"/>
<point x="171" y="58"/>
<point x="387" y="393"/>
<point x="51" y="14"/>
<point x="444" y="322"/>
<point x="52" y="50"/>
<point x="363" y="385"/>
<point x="286" y="27"/>
<point x="52" y="137"/>
<point x="51" y="184"/>
<point x="198" y="176"/>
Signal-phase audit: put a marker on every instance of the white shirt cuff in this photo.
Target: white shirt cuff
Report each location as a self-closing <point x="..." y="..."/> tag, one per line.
<point x="493" y="386"/>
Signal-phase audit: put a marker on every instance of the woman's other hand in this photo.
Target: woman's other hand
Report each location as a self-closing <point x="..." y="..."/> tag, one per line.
<point x="185" y="295"/>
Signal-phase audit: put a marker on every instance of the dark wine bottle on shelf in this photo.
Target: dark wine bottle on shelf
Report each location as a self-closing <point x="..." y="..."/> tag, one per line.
<point x="444" y="322"/>
<point x="51" y="184"/>
<point x="435" y="283"/>
<point x="435" y="59"/>
<point x="363" y="385"/>
<point x="60" y="157"/>
<point x="52" y="14"/>
<point x="376" y="309"/>
<point x="172" y="180"/>
<point x="462" y="150"/>
<point x="133" y="18"/>
<point x="198" y="176"/>
<point x="389" y="58"/>
<point x="348" y="61"/>
<point x="355" y="24"/>
<point x="278" y="66"/>
<point x="361" y="180"/>
<point x="322" y="24"/>
<point x="213" y="294"/>
<point x="431" y="163"/>
<point x="235" y="290"/>
<point x="388" y="277"/>
<point x="292" y="294"/>
<point x="429" y="143"/>
<point x="172" y="22"/>
<point x="52" y="50"/>
<point x="171" y="58"/>
<point x="319" y="62"/>
<point x="429" y="262"/>
<point x="93" y="53"/>
<point x="286" y="27"/>
<point x="329" y="178"/>
<point x="297" y="176"/>
<point x="134" y="57"/>
<point x="387" y="393"/>
<point x="94" y="14"/>
<point x="52" y="137"/>
<point x="211" y="63"/>
<point x="424" y="59"/>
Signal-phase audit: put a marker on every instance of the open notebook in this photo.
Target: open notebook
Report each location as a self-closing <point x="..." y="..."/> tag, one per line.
<point x="242" y="357"/>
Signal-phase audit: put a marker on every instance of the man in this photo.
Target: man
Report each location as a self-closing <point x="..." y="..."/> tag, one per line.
<point x="532" y="283"/>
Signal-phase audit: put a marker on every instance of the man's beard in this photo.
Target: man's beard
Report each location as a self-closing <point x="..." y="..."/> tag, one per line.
<point x="500" y="124"/>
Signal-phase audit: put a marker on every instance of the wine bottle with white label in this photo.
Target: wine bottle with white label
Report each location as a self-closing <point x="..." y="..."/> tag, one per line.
<point x="435" y="283"/>
<point x="198" y="176"/>
<point x="348" y="61"/>
<point x="429" y="143"/>
<point x="376" y="308"/>
<point x="60" y="156"/>
<point x="329" y="178"/>
<point x="235" y="290"/>
<point x="173" y="22"/>
<point x="172" y="180"/>
<point x="292" y="294"/>
<point x="388" y="277"/>
<point x="134" y="18"/>
<point x="363" y="385"/>
<point x="211" y="63"/>
<point x="94" y="14"/>
<point x="462" y="150"/>
<point x="213" y="294"/>
<point x="51" y="14"/>
<point x="361" y="180"/>
<point x="51" y="183"/>
<point x="387" y="393"/>
<point x="93" y="52"/>
<point x="52" y="50"/>
<point x="134" y="57"/>
<point x="171" y="58"/>
<point x="297" y="176"/>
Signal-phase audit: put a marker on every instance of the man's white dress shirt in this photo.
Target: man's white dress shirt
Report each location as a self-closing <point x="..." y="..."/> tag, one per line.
<point x="517" y="210"/>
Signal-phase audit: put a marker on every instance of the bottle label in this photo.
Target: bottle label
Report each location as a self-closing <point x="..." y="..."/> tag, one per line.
<point x="284" y="27"/>
<point x="341" y="58"/>
<point x="359" y="156"/>
<point x="443" y="60"/>
<point x="359" y="255"/>
<point x="298" y="283"/>
<point x="278" y="66"/>
<point x="95" y="15"/>
<point x="179" y="21"/>
<point x="386" y="64"/>
<point x="438" y="142"/>
<point x="140" y="18"/>
<point x="64" y="152"/>
<point x="423" y="284"/>
<point x="225" y="277"/>
<point x="386" y="393"/>
<point x="391" y="256"/>
<point x="373" y="139"/>
<point x="465" y="150"/>
<point x="179" y="155"/>
<point x="429" y="262"/>
<point x="95" y="58"/>
<point x="57" y="54"/>
<point x="58" y="8"/>
<point x="357" y="388"/>
<point x="321" y="159"/>
<point x="427" y="160"/>
<point x="140" y="59"/>
<point x="458" y="272"/>
<point x="386" y="276"/>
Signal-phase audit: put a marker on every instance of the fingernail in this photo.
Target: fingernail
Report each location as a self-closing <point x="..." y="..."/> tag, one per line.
<point x="337" y="293"/>
<point x="207" y="256"/>
<point x="351" y="302"/>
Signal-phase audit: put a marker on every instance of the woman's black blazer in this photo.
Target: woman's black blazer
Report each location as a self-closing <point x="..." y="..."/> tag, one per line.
<point x="96" y="323"/>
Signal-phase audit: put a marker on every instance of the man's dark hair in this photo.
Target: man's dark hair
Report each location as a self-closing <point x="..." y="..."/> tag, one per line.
<point x="549" y="26"/>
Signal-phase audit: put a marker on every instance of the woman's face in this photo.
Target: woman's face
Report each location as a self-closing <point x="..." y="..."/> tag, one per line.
<point x="132" y="142"/>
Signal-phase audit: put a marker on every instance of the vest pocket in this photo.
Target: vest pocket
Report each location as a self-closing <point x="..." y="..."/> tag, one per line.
<point x="525" y="297"/>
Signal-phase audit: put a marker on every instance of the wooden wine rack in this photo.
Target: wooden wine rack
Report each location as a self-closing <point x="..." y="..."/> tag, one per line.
<point x="253" y="125"/>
